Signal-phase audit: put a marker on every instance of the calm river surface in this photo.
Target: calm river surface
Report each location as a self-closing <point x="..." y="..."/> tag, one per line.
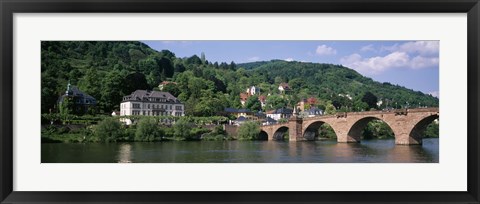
<point x="382" y="151"/>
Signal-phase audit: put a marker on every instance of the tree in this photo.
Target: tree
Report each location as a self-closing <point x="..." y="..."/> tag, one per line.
<point x="253" y="103"/>
<point x="49" y="93"/>
<point x="432" y="130"/>
<point x="181" y="129"/>
<point x="109" y="130"/>
<point x="370" y="99"/>
<point x="112" y="92"/>
<point x="275" y="102"/>
<point x="148" y="130"/>
<point x="66" y="108"/>
<point x="330" y="109"/>
<point x="296" y="84"/>
<point x="172" y="88"/>
<point x="133" y="82"/>
<point x="91" y="83"/>
<point x="249" y="131"/>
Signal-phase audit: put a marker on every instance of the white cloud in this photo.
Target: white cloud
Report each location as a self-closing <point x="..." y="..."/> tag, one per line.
<point x="408" y="55"/>
<point x="378" y="64"/>
<point x="252" y="59"/>
<point x="325" y="50"/>
<point x="419" y="62"/>
<point x="367" y="48"/>
<point x="423" y="48"/>
<point x="289" y="59"/>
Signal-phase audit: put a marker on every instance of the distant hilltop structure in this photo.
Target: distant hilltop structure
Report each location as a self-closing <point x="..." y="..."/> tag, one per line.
<point x="151" y="103"/>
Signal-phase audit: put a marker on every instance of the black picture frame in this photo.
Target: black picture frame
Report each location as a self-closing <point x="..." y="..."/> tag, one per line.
<point x="10" y="7"/>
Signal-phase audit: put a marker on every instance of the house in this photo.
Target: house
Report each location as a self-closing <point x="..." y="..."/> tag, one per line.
<point x="238" y="112"/>
<point x="164" y="83"/>
<point x="239" y="121"/>
<point x="283" y="87"/>
<point x="151" y="103"/>
<point x="79" y="102"/>
<point x="253" y="90"/>
<point x="269" y="121"/>
<point x="249" y="92"/>
<point x="312" y="112"/>
<point x="280" y="113"/>
<point x="243" y="98"/>
<point x="115" y="113"/>
<point x="263" y="100"/>
<point x="306" y="103"/>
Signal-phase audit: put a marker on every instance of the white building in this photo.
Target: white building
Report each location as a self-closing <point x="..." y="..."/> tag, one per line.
<point x="280" y="113"/>
<point x="253" y="90"/>
<point x="152" y="103"/>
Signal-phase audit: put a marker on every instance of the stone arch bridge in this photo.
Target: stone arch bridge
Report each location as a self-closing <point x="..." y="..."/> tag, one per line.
<point x="408" y="125"/>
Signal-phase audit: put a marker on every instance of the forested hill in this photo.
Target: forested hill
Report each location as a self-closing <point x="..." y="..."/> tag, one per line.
<point x="331" y="82"/>
<point x="110" y="70"/>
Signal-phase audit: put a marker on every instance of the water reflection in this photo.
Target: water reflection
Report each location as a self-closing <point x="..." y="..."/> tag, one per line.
<point x="125" y="153"/>
<point x="368" y="151"/>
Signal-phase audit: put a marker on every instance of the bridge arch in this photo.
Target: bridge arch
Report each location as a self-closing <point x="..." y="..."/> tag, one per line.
<point x="280" y="133"/>
<point x="262" y="135"/>
<point x="418" y="131"/>
<point x="311" y="130"/>
<point x="355" y="131"/>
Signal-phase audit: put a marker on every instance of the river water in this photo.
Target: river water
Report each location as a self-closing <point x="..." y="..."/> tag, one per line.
<point x="368" y="151"/>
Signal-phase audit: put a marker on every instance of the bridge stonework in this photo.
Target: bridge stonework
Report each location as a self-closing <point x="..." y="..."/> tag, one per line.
<point x="408" y="125"/>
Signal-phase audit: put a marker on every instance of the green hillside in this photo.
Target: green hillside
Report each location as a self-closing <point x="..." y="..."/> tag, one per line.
<point x="328" y="81"/>
<point x="110" y="70"/>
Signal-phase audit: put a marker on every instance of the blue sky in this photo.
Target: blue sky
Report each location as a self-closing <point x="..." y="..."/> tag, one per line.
<point x="413" y="64"/>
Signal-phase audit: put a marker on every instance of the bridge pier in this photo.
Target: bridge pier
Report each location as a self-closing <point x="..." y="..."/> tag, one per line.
<point x="295" y="129"/>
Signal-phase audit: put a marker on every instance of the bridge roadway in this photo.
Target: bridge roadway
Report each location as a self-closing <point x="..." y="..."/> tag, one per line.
<point x="408" y="125"/>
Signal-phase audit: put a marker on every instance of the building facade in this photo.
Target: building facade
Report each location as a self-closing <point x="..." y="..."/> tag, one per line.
<point x="280" y="113"/>
<point x="78" y="102"/>
<point x="151" y="103"/>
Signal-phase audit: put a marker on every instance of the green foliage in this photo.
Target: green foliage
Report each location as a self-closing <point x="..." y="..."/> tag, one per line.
<point x="432" y="130"/>
<point x="66" y="108"/>
<point x="370" y="99"/>
<point x="253" y="103"/>
<point x="182" y="130"/>
<point x="248" y="131"/>
<point x="218" y="133"/>
<point x="326" y="131"/>
<point x="377" y="129"/>
<point x="106" y="70"/>
<point x="109" y="130"/>
<point x="330" y="109"/>
<point x="109" y="70"/>
<point x="148" y="130"/>
<point x="275" y="102"/>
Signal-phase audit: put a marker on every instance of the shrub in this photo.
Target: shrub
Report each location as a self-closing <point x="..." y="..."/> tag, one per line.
<point x="148" y="130"/>
<point x="249" y="131"/>
<point x="181" y="129"/>
<point x="109" y="130"/>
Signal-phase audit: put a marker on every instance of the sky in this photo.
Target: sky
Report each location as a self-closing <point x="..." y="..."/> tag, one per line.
<point x="412" y="64"/>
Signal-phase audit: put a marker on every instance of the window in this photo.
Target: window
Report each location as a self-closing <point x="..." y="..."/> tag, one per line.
<point x="170" y="107"/>
<point x="148" y="106"/>
<point x="143" y="112"/>
<point x="136" y="105"/>
<point x="178" y="107"/>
